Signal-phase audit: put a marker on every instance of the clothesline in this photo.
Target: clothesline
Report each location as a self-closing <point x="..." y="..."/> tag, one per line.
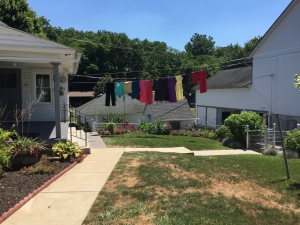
<point x="166" y="89"/>
<point x="203" y="66"/>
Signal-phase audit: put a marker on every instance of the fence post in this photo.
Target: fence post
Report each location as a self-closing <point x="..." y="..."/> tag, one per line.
<point x="247" y="138"/>
<point x="266" y="132"/>
<point x="274" y="135"/>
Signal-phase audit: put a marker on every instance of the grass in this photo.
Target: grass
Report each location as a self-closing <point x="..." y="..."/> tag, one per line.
<point x="169" y="188"/>
<point x="138" y="139"/>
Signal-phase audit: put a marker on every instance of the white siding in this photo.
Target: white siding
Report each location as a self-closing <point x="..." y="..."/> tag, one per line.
<point x="285" y="36"/>
<point x="42" y="112"/>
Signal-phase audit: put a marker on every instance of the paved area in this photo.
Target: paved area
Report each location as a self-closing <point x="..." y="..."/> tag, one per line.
<point x="174" y="150"/>
<point x="68" y="199"/>
<point x="225" y="152"/>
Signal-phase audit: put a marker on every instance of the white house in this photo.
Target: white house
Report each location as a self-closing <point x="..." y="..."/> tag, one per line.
<point x="35" y="69"/>
<point x="269" y="88"/>
<point x="178" y="114"/>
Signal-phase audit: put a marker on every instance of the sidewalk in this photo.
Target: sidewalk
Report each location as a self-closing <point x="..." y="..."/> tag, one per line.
<point x="68" y="199"/>
<point x="225" y="152"/>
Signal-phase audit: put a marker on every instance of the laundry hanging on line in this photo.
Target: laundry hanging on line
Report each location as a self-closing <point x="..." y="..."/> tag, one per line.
<point x="169" y="89"/>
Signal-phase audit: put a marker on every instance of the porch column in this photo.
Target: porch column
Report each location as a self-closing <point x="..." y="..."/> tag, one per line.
<point x="56" y="98"/>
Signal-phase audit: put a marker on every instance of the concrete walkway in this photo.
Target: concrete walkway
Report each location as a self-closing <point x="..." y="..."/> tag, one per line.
<point x="225" y="152"/>
<point x="69" y="199"/>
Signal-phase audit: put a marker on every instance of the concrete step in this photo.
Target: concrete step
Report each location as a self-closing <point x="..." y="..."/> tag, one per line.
<point x="78" y="136"/>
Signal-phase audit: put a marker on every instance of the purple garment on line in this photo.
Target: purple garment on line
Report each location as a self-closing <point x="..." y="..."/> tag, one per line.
<point x="172" y="93"/>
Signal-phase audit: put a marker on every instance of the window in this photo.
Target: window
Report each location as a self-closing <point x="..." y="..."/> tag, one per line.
<point x="42" y="88"/>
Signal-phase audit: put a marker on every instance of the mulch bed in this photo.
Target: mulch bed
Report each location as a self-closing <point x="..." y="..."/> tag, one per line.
<point x="15" y="186"/>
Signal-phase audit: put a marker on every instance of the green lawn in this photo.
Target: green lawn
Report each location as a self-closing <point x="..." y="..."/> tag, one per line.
<point x="138" y="139"/>
<point x="169" y="188"/>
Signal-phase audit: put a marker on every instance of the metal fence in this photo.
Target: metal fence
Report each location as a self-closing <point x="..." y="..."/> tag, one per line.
<point x="266" y="139"/>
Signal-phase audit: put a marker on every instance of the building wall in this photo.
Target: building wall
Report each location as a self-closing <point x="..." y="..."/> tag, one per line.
<point x="285" y="37"/>
<point x="41" y="111"/>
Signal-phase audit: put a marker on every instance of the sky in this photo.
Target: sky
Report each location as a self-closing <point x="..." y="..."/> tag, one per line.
<point x="171" y="21"/>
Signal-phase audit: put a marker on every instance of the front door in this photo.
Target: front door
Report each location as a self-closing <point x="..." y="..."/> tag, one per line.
<point x="10" y="93"/>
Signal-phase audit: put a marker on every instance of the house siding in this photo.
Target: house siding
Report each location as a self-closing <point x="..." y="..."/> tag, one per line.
<point x="285" y="36"/>
<point x="42" y="112"/>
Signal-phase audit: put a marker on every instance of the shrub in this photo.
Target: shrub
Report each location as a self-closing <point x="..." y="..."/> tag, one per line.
<point x="85" y="127"/>
<point x="190" y="127"/>
<point x="117" y="117"/>
<point x="175" y="132"/>
<point x="270" y="151"/>
<point x="111" y="128"/>
<point x="65" y="150"/>
<point x="222" y="132"/>
<point x="5" y="150"/>
<point x="207" y="134"/>
<point x="289" y="154"/>
<point x="22" y="143"/>
<point x="159" y="126"/>
<point x="104" y="132"/>
<point x="292" y="141"/>
<point x="237" y="125"/>
<point x="231" y="143"/>
<point x="145" y="126"/>
<point x="41" y="167"/>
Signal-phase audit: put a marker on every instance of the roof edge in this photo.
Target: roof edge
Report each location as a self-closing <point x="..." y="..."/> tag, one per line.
<point x="273" y="26"/>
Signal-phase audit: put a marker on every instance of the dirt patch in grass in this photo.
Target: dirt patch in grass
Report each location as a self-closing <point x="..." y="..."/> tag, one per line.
<point x="249" y="191"/>
<point x="139" y="220"/>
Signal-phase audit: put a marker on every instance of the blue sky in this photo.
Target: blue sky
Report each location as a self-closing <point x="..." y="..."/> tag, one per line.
<point x="170" y="21"/>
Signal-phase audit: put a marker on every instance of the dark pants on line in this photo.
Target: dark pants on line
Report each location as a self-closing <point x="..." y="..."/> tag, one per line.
<point x="110" y="93"/>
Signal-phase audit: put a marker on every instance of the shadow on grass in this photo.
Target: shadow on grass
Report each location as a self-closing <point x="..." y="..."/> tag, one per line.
<point x="278" y="181"/>
<point x="294" y="187"/>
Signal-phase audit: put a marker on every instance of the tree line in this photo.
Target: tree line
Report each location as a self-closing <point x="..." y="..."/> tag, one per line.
<point x="105" y="52"/>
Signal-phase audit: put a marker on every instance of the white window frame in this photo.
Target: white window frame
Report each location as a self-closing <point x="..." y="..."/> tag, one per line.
<point x="33" y="76"/>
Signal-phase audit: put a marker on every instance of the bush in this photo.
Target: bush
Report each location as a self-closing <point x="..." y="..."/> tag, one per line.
<point x="223" y="132"/>
<point x="292" y="141"/>
<point x="5" y="150"/>
<point x="111" y="128"/>
<point x="85" y="127"/>
<point x="289" y="154"/>
<point x="65" y="150"/>
<point x="207" y="134"/>
<point x="22" y="143"/>
<point x="237" y="125"/>
<point x="270" y="151"/>
<point x="175" y="132"/>
<point x="231" y="143"/>
<point x="41" y="167"/>
<point x="145" y="127"/>
<point x="117" y="117"/>
<point x="159" y="126"/>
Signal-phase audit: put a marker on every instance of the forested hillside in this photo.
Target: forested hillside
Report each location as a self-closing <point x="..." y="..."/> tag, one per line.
<point x="106" y="52"/>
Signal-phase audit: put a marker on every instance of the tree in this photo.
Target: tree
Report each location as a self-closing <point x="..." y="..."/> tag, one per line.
<point x="250" y="45"/>
<point x="200" y="45"/>
<point x="17" y="14"/>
